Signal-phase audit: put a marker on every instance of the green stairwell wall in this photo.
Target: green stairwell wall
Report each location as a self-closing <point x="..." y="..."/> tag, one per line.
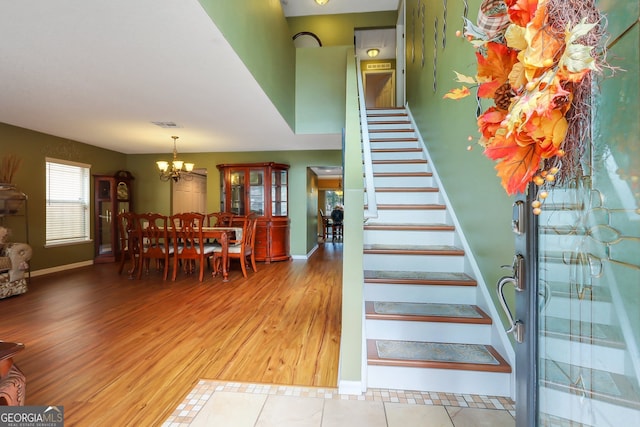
<point x="469" y="179"/>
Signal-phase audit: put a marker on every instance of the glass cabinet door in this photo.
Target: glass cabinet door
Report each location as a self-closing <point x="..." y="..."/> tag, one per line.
<point x="237" y="192"/>
<point x="256" y="191"/>
<point x="105" y="218"/>
<point x="279" y="193"/>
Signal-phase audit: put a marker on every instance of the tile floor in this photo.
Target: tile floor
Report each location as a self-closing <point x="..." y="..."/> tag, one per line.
<point x="229" y="404"/>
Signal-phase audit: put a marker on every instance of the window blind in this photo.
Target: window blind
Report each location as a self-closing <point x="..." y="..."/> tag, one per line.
<point x="67" y="208"/>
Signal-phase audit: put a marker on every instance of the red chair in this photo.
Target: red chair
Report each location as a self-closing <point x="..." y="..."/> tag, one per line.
<point x="188" y="243"/>
<point x="242" y="249"/>
<point x="153" y="233"/>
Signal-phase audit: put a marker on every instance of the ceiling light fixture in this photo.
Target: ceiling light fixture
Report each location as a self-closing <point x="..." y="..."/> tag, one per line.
<point x="322" y="2"/>
<point x="174" y="170"/>
<point x="373" y="52"/>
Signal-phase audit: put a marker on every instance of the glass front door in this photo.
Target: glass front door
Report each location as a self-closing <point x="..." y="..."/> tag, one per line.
<point x="577" y="266"/>
<point x="587" y="263"/>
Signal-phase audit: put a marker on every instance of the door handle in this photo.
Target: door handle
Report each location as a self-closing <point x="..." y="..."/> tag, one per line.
<point x="517" y="280"/>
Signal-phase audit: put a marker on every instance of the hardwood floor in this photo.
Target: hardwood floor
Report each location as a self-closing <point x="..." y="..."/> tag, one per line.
<point x="122" y="352"/>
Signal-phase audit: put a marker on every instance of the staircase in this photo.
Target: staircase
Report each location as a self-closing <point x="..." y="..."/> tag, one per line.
<point x="425" y="329"/>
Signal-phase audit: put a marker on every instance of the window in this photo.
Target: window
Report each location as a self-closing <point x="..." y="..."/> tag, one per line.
<point x="67" y="207"/>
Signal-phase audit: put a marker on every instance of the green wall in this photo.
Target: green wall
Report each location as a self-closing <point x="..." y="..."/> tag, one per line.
<point x="338" y="30"/>
<point x="259" y="34"/>
<point x="33" y="147"/>
<point x="320" y="89"/>
<point x="480" y="203"/>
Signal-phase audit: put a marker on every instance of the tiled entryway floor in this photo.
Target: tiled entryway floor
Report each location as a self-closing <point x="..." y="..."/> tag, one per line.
<point x="218" y="403"/>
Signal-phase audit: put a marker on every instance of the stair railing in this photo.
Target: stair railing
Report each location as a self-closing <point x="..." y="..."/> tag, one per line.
<point x="371" y="210"/>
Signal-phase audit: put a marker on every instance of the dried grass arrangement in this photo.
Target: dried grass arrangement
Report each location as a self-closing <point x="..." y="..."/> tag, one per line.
<point x="9" y="166"/>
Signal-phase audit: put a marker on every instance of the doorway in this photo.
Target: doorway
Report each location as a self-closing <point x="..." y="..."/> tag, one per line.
<point x="190" y="195"/>
<point x="379" y="88"/>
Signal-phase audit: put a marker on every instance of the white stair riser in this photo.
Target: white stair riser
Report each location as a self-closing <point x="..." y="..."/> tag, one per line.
<point x="428" y="331"/>
<point x="375" y="121"/>
<point x="584" y="410"/>
<point x="392" y="135"/>
<point x="437" y="294"/>
<point x="403" y="181"/>
<point x="386" y="114"/>
<point x="396" y="145"/>
<point x="434" y="263"/>
<point x="443" y="380"/>
<point x="390" y="237"/>
<point x="585" y="310"/>
<point x="400" y="197"/>
<point x="401" y="167"/>
<point x="389" y="126"/>
<point x="397" y="155"/>
<point x="412" y="216"/>
<point x="576" y="353"/>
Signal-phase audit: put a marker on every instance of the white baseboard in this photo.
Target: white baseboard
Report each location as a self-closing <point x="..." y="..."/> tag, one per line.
<point x="305" y="257"/>
<point x="350" y="387"/>
<point x="61" y="268"/>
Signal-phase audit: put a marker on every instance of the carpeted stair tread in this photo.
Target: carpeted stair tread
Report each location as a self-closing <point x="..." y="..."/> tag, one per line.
<point x="473" y="357"/>
<point x="591" y="383"/>
<point x="583" y="332"/>
<point x="426" y="312"/>
<point x="418" y="278"/>
<point x="413" y="249"/>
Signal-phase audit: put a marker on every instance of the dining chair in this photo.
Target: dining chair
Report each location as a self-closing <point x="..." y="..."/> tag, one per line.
<point x="242" y="249"/>
<point x="153" y="233"/>
<point x="327" y="225"/>
<point x="129" y="243"/>
<point x="189" y="245"/>
<point x="220" y="219"/>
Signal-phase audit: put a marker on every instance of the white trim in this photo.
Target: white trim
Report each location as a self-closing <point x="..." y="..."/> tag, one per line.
<point x="307" y="256"/>
<point x="61" y="268"/>
<point x="505" y="347"/>
<point x="351" y="387"/>
<point x="66" y="162"/>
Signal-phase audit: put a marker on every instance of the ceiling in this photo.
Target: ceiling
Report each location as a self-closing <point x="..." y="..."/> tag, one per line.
<point x="104" y="72"/>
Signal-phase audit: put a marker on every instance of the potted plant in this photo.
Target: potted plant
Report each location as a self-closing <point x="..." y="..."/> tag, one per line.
<point x="11" y="200"/>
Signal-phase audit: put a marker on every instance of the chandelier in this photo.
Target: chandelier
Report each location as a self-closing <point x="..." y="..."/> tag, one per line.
<point x="175" y="170"/>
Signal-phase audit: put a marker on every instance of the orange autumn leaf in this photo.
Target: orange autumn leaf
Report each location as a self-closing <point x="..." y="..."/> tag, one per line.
<point x="457" y="93"/>
<point x="517" y="163"/>
<point x="494" y="69"/>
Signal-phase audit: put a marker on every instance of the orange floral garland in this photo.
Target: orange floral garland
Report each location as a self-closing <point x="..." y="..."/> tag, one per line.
<point x="529" y="67"/>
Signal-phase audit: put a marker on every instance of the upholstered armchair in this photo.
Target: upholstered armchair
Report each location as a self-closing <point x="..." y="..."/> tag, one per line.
<point x="14" y="263"/>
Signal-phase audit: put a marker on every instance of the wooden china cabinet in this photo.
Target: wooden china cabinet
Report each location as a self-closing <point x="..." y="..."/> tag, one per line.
<point x="113" y="194"/>
<point x="260" y="188"/>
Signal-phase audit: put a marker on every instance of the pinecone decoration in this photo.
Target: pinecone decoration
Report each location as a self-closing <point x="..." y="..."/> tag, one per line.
<point x="503" y="96"/>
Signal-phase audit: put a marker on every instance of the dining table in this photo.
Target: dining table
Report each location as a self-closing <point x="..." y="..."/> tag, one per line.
<point x="223" y="235"/>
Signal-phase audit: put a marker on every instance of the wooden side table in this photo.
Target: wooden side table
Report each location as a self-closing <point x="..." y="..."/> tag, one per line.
<point x="12" y="380"/>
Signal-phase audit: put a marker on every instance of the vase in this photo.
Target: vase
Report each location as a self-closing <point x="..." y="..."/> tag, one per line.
<point x="11" y="199"/>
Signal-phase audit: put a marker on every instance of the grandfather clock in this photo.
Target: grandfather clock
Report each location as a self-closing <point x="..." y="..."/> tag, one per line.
<point x="113" y="194"/>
